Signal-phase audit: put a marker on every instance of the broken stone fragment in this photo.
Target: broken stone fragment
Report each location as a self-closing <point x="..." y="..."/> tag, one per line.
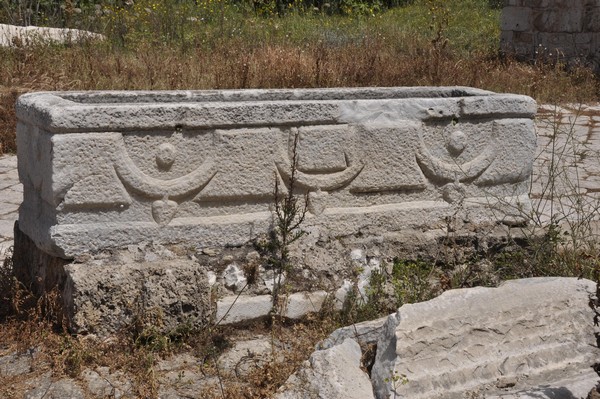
<point x="530" y="338"/>
<point x="365" y="333"/>
<point x="18" y="36"/>
<point x="234" y="278"/>
<point x="330" y="373"/>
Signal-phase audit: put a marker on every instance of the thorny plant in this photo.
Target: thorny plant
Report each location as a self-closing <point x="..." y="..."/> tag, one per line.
<point x="439" y="15"/>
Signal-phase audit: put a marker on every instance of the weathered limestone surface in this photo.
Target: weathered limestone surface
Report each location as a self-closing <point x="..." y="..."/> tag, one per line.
<point x="109" y="169"/>
<point x="551" y="30"/>
<point x="365" y="333"/>
<point x="105" y="171"/>
<point x="105" y="296"/>
<point x="330" y="373"/>
<point x="115" y="290"/>
<point x="12" y="35"/>
<point x="240" y="308"/>
<point x="531" y="338"/>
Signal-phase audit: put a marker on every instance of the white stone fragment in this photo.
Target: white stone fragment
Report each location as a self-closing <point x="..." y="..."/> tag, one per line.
<point x="330" y="373"/>
<point x="302" y="303"/>
<point x="357" y="255"/>
<point x="239" y="308"/>
<point x="341" y="293"/>
<point x="212" y="278"/>
<point x="234" y="277"/>
<point x="538" y="333"/>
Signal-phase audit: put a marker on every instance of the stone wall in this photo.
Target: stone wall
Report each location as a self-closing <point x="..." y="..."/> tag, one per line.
<point x="552" y="30"/>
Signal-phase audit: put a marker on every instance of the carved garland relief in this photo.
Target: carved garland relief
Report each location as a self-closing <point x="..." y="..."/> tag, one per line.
<point x="448" y="166"/>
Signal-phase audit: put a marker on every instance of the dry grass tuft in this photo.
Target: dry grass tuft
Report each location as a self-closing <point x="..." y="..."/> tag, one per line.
<point x="8" y="121"/>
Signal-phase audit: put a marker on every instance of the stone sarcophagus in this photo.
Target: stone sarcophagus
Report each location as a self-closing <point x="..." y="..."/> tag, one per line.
<point x="160" y="200"/>
<point x="109" y="169"/>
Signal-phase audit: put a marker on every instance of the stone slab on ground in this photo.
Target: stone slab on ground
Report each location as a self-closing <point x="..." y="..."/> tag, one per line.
<point x="102" y="383"/>
<point x="245" y="356"/>
<point x="240" y="308"/>
<point x="61" y="389"/>
<point x="525" y="331"/>
<point x="19" y="36"/>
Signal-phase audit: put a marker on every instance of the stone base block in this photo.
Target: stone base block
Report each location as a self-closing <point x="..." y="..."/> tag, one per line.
<point x="112" y="291"/>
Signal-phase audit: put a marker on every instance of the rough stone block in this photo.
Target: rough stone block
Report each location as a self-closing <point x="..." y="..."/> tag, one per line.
<point x="591" y="19"/>
<point x="561" y="18"/>
<point x="539" y="3"/>
<point x="514" y="3"/>
<point x="109" y="169"/>
<point x="476" y="342"/>
<point x="524" y="38"/>
<point x="517" y="19"/>
<point x="506" y="40"/>
<point x="583" y="38"/>
<point x="119" y="289"/>
<point x="563" y="42"/>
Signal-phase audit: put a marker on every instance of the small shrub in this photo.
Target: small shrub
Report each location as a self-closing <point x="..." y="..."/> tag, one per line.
<point x="289" y="214"/>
